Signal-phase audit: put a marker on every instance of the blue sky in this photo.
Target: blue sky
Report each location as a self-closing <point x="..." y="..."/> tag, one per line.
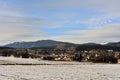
<point x="77" y="21"/>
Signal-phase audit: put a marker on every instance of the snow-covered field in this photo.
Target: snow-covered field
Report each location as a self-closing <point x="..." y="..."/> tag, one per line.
<point x="77" y="71"/>
<point x="27" y="61"/>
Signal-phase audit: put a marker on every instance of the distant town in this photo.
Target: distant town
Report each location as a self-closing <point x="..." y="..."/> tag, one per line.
<point x="61" y="51"/>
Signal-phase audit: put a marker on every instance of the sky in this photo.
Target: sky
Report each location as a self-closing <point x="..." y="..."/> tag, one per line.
<point x="76" y="21"/>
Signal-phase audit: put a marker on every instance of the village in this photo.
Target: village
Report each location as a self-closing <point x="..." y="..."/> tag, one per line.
<point x="68" y="54"/>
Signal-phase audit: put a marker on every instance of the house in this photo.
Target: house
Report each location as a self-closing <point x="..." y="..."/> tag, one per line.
<point x="118" y="61"/>
<point x="12" y="56"/>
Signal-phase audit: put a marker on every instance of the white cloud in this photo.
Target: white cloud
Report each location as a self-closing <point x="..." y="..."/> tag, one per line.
<point x="108" y="9"/>
<point x="104" y="5"/>
<point x="101" y="35"/>
<point x="14" y="26"/>
<point x="96" y="22"/>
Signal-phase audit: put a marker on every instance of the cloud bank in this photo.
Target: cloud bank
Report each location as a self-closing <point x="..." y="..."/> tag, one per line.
<point x="102" y="35"/>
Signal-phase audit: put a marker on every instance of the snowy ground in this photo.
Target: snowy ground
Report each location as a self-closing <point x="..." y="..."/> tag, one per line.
<point x="27" y="61"/>
<point x="77" y="71"/>
<point x="12" y="60"/>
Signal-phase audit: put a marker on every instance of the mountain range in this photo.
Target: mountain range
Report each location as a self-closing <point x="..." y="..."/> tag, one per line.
<point x="55" y="44"/>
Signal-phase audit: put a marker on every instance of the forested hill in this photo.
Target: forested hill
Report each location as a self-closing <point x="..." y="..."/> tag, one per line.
<point x="41" y="43"/>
